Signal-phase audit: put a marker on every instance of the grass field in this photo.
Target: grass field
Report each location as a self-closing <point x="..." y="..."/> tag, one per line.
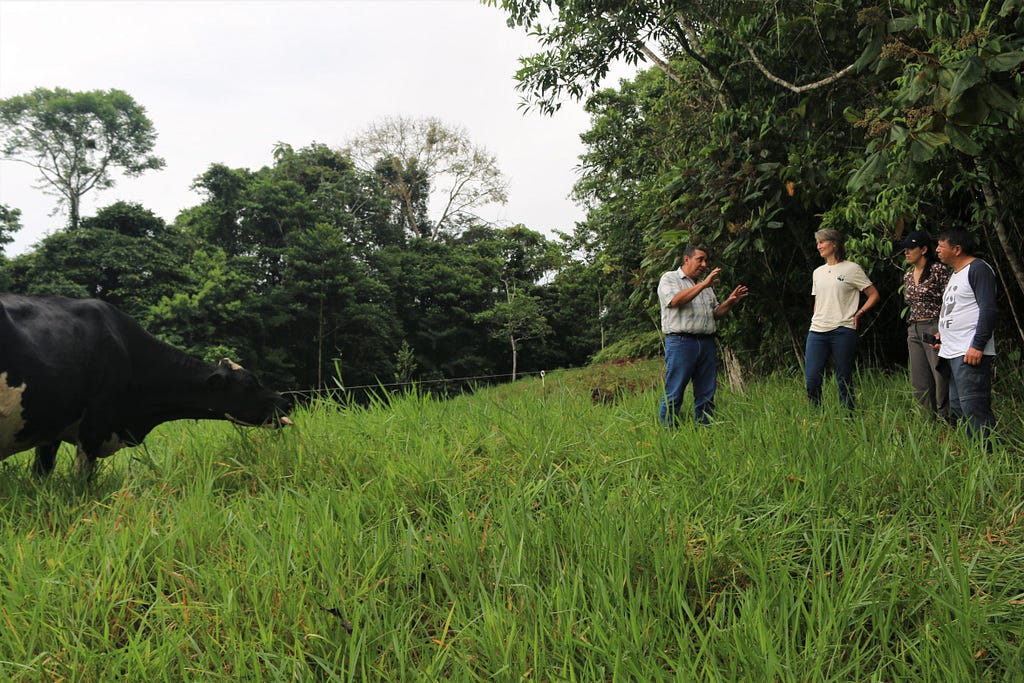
<point x="528" y="532"/>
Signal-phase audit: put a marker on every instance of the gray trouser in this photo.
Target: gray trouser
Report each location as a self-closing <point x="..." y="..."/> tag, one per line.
<point x="930" y="386"/>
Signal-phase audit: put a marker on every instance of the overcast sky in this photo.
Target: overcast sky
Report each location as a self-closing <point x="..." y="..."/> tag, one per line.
<point x="224" y="81"/>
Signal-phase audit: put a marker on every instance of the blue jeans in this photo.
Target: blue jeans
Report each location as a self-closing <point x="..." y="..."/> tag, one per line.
<point x="970" y="394"/>
<point x="841" y="345"/>
<point x="689" y="359"/>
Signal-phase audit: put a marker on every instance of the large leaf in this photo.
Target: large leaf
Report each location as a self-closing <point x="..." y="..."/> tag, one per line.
<point x="999" y="99"/>
<point x="921" y="151"/>
<point x="961" y="141"/>
<point x="870" y="53"/>
<point x="969" y="75"/>
<point x="1005" y="61"/>
<point x="925" y="145"/>
<point x="970" y="110"/>
<point x="919" y="85"/>
<point x="905" y="23"/>
<point x="874" y="165"/>
<point x="1010" y="6"/>
<point x="898" y="133"/>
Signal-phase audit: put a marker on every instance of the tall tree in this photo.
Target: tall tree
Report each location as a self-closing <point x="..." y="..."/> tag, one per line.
<point x="76" y="140"/>
<point x="124" y="254"/>
<point x="520" y="257"/>
<point x="345" y="196"/>
<point x="426" y="163"/>
<point x="437" y="289"/>
<point x="582" y="38"/>
<point x="10" y="223"/>
<point x="517" y="318"/>
<point x="944" y="129"/>
<point x="287" y="265"/>
<point x="574" y="305"/>
<point x="210" y="314"/>
<point x="336" y="308"/>
<point x="731" y="139"/>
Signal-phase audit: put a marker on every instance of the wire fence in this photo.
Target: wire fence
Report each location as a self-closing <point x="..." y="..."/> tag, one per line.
<point x="470" y="380"/>
<point x="343" y="391"/>
<point x="744" y="356"/>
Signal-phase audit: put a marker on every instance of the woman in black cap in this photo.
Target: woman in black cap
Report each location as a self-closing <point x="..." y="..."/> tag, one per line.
<point x="922" y="290"/>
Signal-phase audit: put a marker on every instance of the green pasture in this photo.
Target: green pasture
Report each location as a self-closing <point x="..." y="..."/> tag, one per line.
<point x="538" y="531"/>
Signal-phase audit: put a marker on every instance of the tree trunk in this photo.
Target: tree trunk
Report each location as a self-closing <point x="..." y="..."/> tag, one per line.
<point x="73" y="204"/>
<point x="320" y="346"/>
<point x="990" y="190"/>
<point x="515" y="357"/>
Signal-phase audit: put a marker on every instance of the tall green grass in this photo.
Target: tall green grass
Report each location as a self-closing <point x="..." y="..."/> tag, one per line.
<point x="528" y="533"/>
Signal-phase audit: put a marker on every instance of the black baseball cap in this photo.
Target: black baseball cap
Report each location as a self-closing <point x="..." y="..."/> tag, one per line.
<point x="917" y="238"/>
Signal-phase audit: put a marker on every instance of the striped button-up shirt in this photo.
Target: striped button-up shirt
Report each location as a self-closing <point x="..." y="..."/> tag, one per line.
<point x="695" y="317"/>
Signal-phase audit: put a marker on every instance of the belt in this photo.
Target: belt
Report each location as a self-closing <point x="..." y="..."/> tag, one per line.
<point x="924" y="320"/>
<point x="692" y="335"/>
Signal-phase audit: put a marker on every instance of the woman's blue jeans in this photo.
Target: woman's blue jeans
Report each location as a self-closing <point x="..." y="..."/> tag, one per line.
<point x="687" y="359"/>
<point x="841" y="345"/>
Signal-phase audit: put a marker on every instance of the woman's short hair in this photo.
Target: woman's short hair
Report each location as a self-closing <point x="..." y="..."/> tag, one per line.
<point x="836" y="238"/>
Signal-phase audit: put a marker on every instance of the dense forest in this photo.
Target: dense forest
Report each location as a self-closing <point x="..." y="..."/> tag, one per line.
<point x="753" y="125"/>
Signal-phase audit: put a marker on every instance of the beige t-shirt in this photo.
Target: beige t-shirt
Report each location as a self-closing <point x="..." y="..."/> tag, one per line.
<point x="836" y="290"/>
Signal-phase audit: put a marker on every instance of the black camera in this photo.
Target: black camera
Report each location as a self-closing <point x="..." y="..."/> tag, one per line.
<point x="930" y="339"/>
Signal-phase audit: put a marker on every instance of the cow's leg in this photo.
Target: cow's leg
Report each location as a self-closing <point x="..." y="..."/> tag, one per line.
<point x="46" y="458"/>
<point x="96" y="439"/>
<point x="85" y="464"/>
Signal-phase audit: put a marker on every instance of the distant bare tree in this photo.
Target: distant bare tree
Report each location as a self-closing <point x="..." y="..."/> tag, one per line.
<point x="437" y="176"/>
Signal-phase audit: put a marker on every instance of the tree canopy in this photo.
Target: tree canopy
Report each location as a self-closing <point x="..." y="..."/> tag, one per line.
<point x="10" y="223"/>
<point x="301" y="269"/>
<point x="77" y="139"/>
<point x="436" y="176"/>
<point x="761" y="122"/>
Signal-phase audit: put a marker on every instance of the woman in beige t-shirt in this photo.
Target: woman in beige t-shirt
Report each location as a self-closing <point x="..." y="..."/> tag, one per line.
<point x="836" y="288"/>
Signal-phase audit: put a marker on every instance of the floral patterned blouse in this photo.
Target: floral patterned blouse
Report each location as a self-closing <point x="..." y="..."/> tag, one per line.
<point x="925" y="297"/>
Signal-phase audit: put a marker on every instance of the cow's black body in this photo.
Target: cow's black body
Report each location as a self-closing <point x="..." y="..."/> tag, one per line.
<point x="86" y="373"/>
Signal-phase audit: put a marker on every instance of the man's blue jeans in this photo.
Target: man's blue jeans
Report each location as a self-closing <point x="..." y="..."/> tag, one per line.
<point x="687" y="359"/>
<point x="841" y="345"/>
<point x="970" y="394"/>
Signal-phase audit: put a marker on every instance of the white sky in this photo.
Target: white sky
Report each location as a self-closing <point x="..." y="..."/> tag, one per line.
<point x="223" y="81"/>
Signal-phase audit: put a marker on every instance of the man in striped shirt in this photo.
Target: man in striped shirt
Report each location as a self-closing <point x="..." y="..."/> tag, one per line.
<point x="689" y="309"/>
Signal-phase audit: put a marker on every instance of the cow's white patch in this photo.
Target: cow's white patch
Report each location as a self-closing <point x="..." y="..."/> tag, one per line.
<point x="11" y="421"/>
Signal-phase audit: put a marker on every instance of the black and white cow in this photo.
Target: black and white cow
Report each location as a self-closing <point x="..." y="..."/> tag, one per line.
<point x="83" y="372"/>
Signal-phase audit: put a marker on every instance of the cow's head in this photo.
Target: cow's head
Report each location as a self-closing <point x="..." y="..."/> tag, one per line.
<point x="236" y="394"/>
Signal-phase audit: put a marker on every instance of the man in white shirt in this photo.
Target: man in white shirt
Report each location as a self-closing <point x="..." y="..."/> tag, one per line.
<point x="966" y="325"/>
